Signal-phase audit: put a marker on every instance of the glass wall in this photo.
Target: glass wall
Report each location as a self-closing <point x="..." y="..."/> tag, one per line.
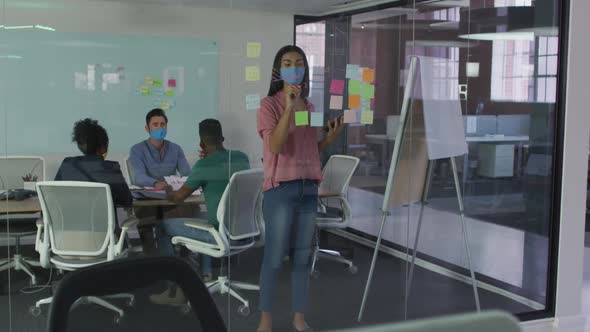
<point x="438" y="98"/>
<point x="484" y="93"/>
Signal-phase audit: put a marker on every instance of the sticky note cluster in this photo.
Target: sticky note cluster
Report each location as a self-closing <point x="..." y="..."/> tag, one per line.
<point x="361" y="94"/>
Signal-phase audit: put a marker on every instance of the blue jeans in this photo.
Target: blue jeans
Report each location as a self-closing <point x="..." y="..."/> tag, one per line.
<point x="289" y="212"/>
<point x="170" y="228"/>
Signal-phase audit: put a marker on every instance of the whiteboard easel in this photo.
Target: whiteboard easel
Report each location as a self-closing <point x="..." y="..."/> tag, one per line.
<point x="389" y="196"/>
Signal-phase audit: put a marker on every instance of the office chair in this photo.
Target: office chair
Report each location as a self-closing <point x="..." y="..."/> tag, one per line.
<point x="336" y="177"/>
<point x="78" y="231"/>
<point x="238" y="215"/>
<point x="129" y="275"/>
<point x="12" y="169"/>
<point x="490" y="321"/>
<point x="129" y="170"/>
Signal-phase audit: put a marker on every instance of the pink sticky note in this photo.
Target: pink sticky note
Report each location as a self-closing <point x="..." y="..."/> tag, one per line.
<point x="171" y="83"/>
<point x="372" y="103"/>
<point x="350" y="116"/>
<point x="335" y="102"/>
<point x="337" y="87"/>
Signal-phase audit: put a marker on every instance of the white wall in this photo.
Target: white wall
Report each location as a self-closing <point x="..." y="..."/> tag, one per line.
<point x="231" y="28"/>
<point x="575" y="167"/>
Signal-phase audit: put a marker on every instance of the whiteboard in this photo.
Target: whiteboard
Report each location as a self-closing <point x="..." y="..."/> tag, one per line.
<point x="49" y="80"/>
<point x="443" y="120"/>
<point x="433" y="131"/>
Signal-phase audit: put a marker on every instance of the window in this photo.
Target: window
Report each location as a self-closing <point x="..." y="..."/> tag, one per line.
<point x="547" y="69"/>
<point x="311" y="38"/>
<point x="512" y="70"/>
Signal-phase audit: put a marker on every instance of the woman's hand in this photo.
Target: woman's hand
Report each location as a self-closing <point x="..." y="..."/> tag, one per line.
<point x="334" y="129"/>
<point x="292" y="97"/>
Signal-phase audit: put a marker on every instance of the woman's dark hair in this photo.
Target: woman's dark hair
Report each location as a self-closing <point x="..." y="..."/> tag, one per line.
<point x="155" y="112"/>
<point x="90" y="136"/>
<point x="276" y="84"/>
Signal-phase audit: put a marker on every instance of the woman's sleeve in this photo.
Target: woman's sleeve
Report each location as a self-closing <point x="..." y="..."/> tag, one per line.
<point x="266" y="120"/>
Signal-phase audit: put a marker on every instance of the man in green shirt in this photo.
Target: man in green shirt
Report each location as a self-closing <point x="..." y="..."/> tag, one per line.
<point x="212" y="174"/>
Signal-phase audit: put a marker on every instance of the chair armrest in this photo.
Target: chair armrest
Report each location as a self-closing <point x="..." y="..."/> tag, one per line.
<point x="42" y="244"/>
<point x="39" y="224"/>
<point x="125" y="225"/>
<point x="219" y="244"/>
<point x="130" y="222"/>
<point x="200" y="224"/>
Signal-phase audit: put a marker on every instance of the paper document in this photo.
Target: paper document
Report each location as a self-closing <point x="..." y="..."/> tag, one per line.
<point x="175" y="181"/>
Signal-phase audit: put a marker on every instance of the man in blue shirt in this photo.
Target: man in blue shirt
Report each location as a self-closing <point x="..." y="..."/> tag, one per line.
<point x="156" y="157"/>
<point x="152" y="160"/>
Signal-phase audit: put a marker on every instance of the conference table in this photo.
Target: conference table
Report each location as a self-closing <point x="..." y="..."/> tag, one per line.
<point x="32" y="205"/>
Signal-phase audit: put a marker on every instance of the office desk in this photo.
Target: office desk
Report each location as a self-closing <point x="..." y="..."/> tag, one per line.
<point x="519" y="140"/>
<point x="30" y="205"/>
<point x="385" y="142"/>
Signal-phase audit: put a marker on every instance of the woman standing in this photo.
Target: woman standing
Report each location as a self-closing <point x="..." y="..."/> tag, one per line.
<point x="292" y="172"/>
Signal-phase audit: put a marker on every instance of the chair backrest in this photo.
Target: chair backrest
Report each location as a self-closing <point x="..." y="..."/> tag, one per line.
<point x="492" y="321"/>
<point x="240" y="205"/>
<point x="79" y="217"/>
<point x="129" y="170"/>
<point x="337" y="173"/>
<point x="135" y="275"/>
<point x="13" y="168"/>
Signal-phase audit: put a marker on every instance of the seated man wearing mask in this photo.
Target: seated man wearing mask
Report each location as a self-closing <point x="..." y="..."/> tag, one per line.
<point x="152" y="160"/>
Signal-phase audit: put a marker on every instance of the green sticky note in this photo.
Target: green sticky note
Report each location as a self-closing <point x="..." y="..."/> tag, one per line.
<point x="158" y="83"/>
<point x="368" y="91"/>
<point x="169" y="92"/>
<point x="354" y="87"/>
<point x="145" y="90"/>
<point x="367" y="117"/>
<point x="302" y="118"/>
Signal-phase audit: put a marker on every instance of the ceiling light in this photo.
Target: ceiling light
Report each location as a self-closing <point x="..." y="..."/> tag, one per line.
<point x="16" y="27"/>
<point x="42" y="27"/>
<point x="490" y="36"/>
<point x="10" y="56"/>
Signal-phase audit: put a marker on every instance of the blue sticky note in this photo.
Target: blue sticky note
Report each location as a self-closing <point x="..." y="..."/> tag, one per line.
<point x="317" y="119"/>
<point x="352" y="72"/>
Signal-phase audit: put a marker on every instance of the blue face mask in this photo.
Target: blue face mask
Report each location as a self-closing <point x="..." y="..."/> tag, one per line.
<point x="158" y="134"/>
<point x="293" y="75"/>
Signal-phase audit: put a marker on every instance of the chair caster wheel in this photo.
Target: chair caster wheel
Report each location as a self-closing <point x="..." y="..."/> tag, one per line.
<point x="353" y="269"/>
<point x="185" y="309"/>
<point x="35" y="311"/>
<point x="244" y="310"/>
<point x="130" y="303"/>
<point x="117" y="319"/>
<point x="315" y="274"/>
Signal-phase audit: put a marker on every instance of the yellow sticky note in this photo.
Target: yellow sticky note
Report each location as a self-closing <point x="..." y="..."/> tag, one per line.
<point x="169" y="92"/>
<point x="149" y="81"/>
<point x="302" y="118"/>
<point x="367" y="117"/>
<point x="253" y="50"/>
<point x="165" y="105"/>
<point x="252" y="73"/>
